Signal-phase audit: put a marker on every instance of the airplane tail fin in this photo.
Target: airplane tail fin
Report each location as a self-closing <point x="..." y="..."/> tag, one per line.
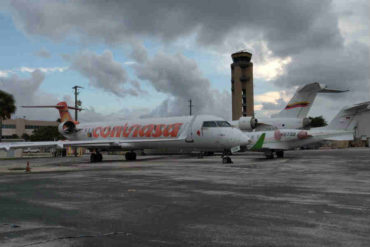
<point x="346" y="118"/>
<point x="62" y="108"/>
<point x="300" y="104"/>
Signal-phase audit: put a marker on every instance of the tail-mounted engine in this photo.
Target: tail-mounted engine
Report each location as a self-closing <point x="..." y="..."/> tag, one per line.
<point x="247" y="123"/>
<point x="67" y="128"/>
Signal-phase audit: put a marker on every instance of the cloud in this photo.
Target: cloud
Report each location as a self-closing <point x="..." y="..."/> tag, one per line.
<point x="293" y="42"/>
<point x="103" y="72"/>
<point x="26" y="91"/>
<point x="288" y="26"/>
<point x="347" y="68"/>
<point x="180" y="78"/>
<point x="43" y="53"/>
<point x="24" y="69"/>
<point x="42" y="69"/>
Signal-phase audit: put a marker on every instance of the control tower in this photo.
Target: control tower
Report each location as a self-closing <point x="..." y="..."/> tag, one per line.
<point x="242" y="85"/>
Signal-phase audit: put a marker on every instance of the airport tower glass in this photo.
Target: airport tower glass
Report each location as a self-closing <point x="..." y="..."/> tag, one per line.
<point x="242" y="85"/>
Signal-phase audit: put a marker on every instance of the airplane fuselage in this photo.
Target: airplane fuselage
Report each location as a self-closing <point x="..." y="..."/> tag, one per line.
<point x="180" y="132"/>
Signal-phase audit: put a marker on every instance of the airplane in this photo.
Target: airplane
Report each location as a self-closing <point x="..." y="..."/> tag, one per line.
<point x="200" y="132"/>
<point x="293" y="116"/>
<point x="341" y="128"/>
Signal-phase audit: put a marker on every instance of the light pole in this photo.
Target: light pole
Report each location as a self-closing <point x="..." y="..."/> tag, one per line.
<point x="190" y="106"/>
<point x="77" y="102"/>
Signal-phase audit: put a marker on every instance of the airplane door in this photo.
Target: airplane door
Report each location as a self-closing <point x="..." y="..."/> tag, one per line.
<point x="207" y="133"/>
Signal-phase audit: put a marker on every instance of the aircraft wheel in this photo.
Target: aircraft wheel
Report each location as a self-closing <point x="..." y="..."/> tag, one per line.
<point x="269" y="155"/>
<point x="93" y="158"/>
<point x="280" y="154"/>
<point x="200" y="155"/>
<point x="227" y="160"/>
<point x="130" y="156"/>
<point x="133" y="156"/>
<point x="99" y="157"/>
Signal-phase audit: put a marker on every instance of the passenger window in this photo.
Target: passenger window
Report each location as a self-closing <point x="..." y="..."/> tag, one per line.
<point x="223" y="124"/>
<point x="207" y="124"/>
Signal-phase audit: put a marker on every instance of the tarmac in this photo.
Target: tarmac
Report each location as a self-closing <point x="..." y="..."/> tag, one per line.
<point x="308" y="198"/>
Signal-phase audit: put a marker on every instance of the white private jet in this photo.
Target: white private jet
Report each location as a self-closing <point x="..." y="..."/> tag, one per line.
<point x="293" y="116"/>
<point x="342" y="127"/>
<point x="200" y="133"/>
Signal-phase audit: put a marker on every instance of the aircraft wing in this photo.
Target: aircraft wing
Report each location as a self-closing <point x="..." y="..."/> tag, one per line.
<point x="124" y="144"/>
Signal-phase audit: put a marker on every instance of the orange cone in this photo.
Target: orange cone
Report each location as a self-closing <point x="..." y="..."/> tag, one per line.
<point x="28" y="168"/>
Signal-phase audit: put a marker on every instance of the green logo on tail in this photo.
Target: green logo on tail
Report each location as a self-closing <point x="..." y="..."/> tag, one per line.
<point x="259" y="142"/>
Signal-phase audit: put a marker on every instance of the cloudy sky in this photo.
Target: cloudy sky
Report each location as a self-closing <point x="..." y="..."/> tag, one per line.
<point x="144" y="58"/>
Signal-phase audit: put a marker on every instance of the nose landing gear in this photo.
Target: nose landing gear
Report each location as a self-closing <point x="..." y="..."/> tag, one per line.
<point x="225" y="157"/>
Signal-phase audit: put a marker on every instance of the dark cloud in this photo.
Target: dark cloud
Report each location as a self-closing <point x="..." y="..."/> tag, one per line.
<point x="346" y="68"/>
<point x="103" y="72"/>
<point x="180" y="78"/>
<point x="310" y="32"/>
<point x="287" y="25"/>
<point x="43" y="53"/>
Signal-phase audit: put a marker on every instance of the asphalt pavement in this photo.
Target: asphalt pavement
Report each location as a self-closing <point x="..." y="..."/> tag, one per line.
<point x="308" y="198"/>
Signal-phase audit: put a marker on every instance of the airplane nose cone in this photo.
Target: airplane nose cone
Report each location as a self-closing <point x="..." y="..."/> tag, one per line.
<point x="240" y="138"/>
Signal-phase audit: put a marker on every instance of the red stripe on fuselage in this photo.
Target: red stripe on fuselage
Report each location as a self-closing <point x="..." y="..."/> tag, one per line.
<point x="295" y="106"/>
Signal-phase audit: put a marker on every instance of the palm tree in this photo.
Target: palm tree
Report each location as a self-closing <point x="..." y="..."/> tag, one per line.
<point x="7" y="108"/>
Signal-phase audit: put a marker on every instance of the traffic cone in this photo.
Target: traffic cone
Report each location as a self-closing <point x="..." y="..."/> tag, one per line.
<point x="28" y="168"/>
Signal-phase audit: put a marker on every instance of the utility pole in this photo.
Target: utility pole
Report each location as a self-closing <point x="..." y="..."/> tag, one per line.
<point x="190" y="106"/>
<point x="77" y="102"/>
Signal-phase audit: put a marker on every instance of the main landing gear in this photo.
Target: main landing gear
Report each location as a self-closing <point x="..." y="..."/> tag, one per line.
<point x="225" y="157"/>
<point x="270" y="154"/>
<point x="130" y="156"/>
<point x="96" y="157"/>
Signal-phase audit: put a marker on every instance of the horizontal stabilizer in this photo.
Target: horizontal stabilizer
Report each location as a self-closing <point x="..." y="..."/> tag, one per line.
<point x="52" y="106"/>
<point x="327" y="90"/>
<point x="348" y="137"/>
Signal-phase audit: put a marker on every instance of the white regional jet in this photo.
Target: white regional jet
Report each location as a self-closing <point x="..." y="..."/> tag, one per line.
<point x="201" y="133"/>
<point x="342" y="127"/>
<point x="293" y="116"/>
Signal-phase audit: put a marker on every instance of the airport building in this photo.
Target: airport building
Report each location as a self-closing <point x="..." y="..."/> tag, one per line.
<point x="22" y="126"/>
<point x="242" y="85"/>
<point x="362" y="132"/>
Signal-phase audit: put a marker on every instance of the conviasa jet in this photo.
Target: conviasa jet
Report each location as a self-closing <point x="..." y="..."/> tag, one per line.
<point x="200" y="132"/>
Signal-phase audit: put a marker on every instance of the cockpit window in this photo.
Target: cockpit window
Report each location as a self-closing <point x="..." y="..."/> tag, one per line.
<point x="208" y="124"/>
<point x="223" y="124"/>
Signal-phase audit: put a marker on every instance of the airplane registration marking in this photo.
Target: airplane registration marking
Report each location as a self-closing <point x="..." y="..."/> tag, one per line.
<point x="137" y="130"/>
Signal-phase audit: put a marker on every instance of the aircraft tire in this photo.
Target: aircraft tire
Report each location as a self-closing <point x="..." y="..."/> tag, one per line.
<point x="269" y="155"/>
<point x="280" y="154"/>
<point x="93" y="158"/>
<point x="227" y="160"/>
<point x="99" y="157"/>
<point x="130" y="156"/>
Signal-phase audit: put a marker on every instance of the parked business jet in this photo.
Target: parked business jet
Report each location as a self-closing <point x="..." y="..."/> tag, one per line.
<point x="342" y="127"/>
<point x="293" y="116"/>
<point x="201" y="133"/>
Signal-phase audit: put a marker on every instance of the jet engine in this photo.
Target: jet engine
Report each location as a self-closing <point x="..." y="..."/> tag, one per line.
<point x="67" y="127"/>
<point x="247" y="123"/>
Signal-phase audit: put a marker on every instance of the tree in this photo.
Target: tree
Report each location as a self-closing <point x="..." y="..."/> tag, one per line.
<point x="317" y="122"/>
<point x="26" y="137"/>
<point x="7" y="108"/>
<point x="46" y="133"/>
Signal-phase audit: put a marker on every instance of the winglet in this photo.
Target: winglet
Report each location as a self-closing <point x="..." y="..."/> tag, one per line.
<point x="259" y="142"/>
